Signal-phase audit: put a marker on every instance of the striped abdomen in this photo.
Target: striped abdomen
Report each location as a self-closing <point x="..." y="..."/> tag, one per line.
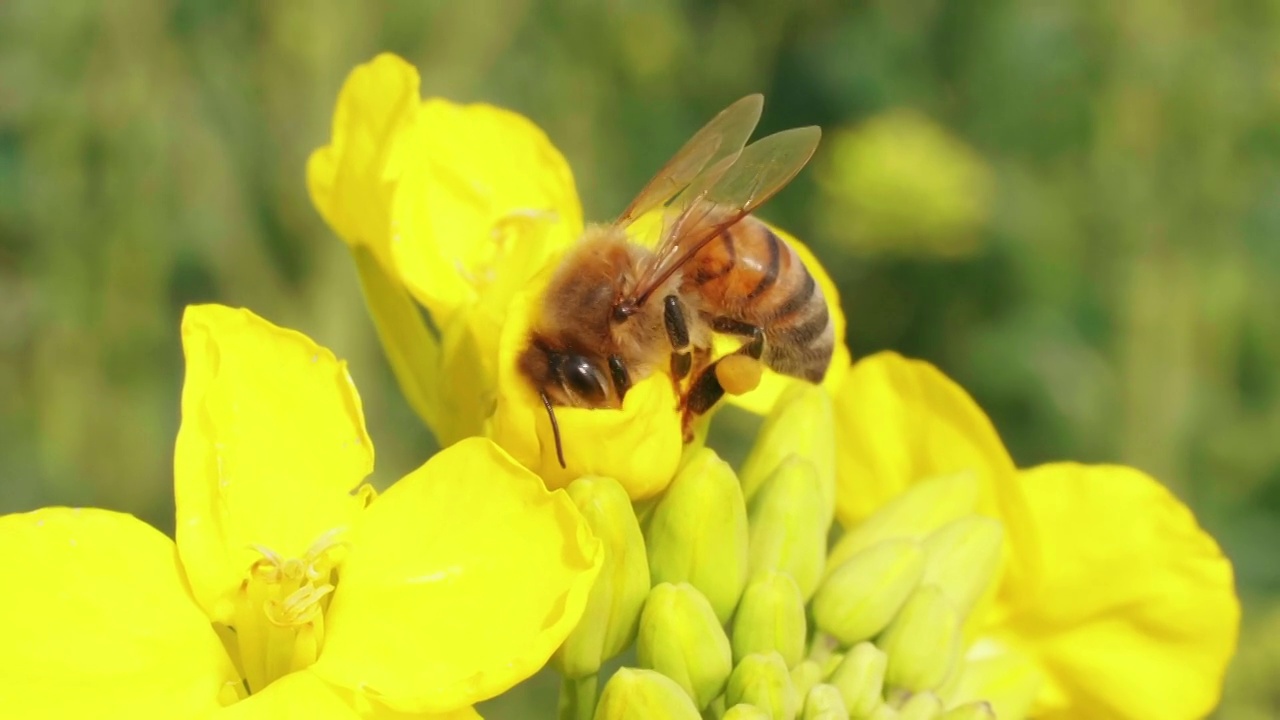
<point x="751" y="275"/>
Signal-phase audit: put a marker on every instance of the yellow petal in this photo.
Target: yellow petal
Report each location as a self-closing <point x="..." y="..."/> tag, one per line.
<point x="486" y="200"/>
<point x="97" y="621"/>
<point x="271" y="445"/>
<point x="352" y="179"/>
<point x="1135" y="614"/>
<point x="638" y="445"/>
<point x="765" y="396"/>
<point x="901" y="422"/>
<point x="462" y="579"/>
<point x="305" y="696"/>
<point x="413" y="351"/>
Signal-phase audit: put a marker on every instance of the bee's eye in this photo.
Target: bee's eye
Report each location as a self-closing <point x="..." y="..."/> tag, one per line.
<point x="584" y="379"/>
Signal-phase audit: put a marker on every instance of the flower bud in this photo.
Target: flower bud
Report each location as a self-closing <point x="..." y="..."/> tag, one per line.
<point x="805" y="675"/>
<point x="922" y="642"/>
<point x="859" y="599"/>
<point x="920" y="706"/>
<point x="917" y="512"/>
<point x="962" y="558"/>
<point x="971" y="711"/>
<point x="762" y="680"/>
<point x="641" y="695"/>
<point x="609" y="622"/>
<point x="882" y="712"/>
<point x="788" y="528"/>
<point x="824" y="702"/>
<point x="681" y="638"/>
<point x="771" y="617"/>
<point x="860" y="679"/>
<point x="1006" y="681"/>
<point x="698" y="532"/>
<point x="802" y="423"/>
<point x="745" y="711"/>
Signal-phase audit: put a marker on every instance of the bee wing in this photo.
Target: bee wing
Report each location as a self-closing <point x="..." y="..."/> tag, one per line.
<point x="722" y="195"/>
<point x="723" y="137"/>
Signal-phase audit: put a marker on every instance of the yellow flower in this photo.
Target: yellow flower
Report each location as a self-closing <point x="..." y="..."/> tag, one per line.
<point x="1123" y="604"/>
<point x="291" y="589"/>
<point x="901" y="183"/>
<point x="464" y="210"/>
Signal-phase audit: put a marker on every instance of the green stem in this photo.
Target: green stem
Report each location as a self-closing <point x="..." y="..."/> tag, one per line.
<point x="578" y="698"/>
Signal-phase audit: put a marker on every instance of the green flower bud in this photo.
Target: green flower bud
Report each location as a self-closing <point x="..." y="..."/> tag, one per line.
<point x="1006" y="681"/>
<point x="698" y="532"/>
<point x="762" y="680"/>
<point x="882" y="712"/>
<point x="859" y="599"/>
<point x="744" y="711"/>
<point x="971" y="711"/>
<point x="681" y="638"/>
<point x="962" y="559"/>
<point x="860" y="679"/>
<point x="805" y="675"/>
<point x="920" y="706"/>
<point x="641" y="695"/>
<point x="917" y="512"/>
<point x="612" y="614"/>
<point x="802" y="423"/>
<point x="771" y="617"/>
<point x="922" y="642"/>
<point x="788" y="528"/>
<point x="824" y="702"/>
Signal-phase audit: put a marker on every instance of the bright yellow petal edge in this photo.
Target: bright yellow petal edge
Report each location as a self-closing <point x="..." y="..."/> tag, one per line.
<point x="272" y="443"/>
<point x="306" y="695"/>
<point x="485" y="201"/>
<point x="1135" y="614"/>
<point x="351" y="180"/>
<point x="462" y="580"/>
<point x="102" y="624"/>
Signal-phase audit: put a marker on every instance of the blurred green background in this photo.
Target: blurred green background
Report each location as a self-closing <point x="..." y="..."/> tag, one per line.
<point x="1072" y="208"/>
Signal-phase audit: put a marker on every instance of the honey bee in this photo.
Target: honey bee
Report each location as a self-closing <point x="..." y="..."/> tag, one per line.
<point x="614" y="311"/>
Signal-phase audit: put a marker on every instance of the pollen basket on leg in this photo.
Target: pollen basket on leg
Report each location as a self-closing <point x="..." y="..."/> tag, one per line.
<point x="279" y="619"/>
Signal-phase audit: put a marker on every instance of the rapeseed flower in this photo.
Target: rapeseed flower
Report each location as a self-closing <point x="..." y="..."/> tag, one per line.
<point x="1112" y="595"/>
<point x="464" y="210"/>
<point x="291" y="589"/>
<point x="960" y="586"/>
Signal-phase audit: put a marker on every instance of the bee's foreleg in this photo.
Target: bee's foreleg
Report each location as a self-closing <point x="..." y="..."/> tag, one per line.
<point x="673" y="317"/>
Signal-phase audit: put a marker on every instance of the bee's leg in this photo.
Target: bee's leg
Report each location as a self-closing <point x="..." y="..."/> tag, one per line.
<point x="621" y="378"/>
<point x="706" y="390"/>
<point x="673" y="317"/>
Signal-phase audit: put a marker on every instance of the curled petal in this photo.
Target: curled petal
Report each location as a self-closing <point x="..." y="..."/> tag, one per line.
<point x="462" y="580"/>
<point x="901" y="422"/>
<point x="1135" y="614"/>
<point x="102" y="624"/>
<point x="639" y="445"/>
<point x="272" y="442"/>
<point x="486" y="200"/>
<point x="351" y="180"/>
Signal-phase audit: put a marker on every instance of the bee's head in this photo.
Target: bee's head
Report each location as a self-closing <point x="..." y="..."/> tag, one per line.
<point x="568" y="376"/>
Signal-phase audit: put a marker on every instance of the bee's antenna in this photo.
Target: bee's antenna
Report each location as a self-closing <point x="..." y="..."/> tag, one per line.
<point x="555" y="427"/>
